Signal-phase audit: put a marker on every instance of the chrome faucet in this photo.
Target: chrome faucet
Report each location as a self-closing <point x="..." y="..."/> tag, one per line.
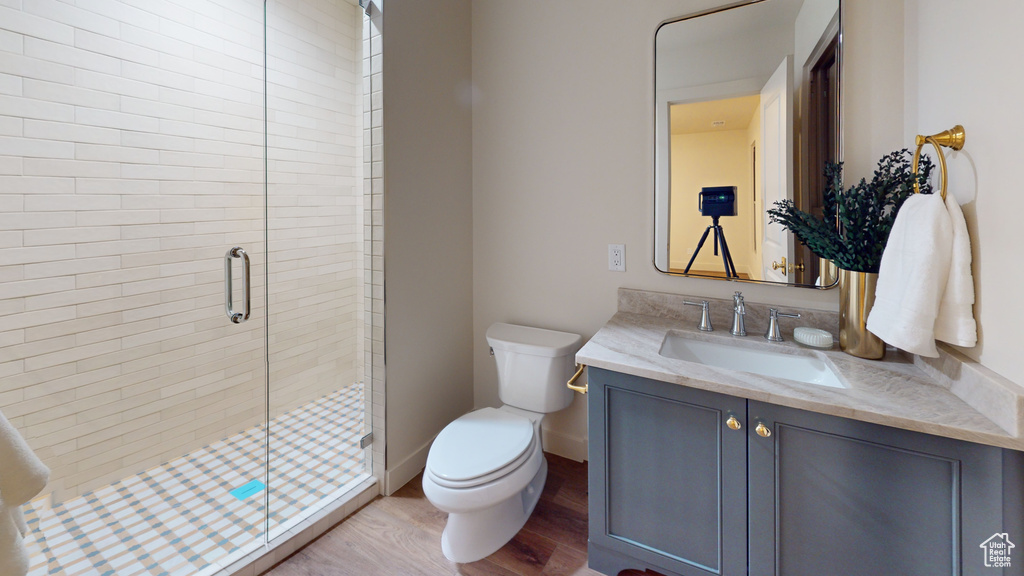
<point x="773" y="334"/>
<point x="705" y="315"/>
<point x="739" y="311"/>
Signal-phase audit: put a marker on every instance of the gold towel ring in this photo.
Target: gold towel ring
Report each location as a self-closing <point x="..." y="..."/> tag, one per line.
<point x="952" y="138"/>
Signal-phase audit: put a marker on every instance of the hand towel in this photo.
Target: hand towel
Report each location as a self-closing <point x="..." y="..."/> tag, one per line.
<point x="955" y="323"/>
<point x="913" y="275"/>
<point x="22" y="476"/>
<point x="13" y="557"/>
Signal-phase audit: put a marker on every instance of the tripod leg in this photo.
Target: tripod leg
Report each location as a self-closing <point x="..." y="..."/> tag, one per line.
<point x="726" y="255"/>
<point x="725" y="259"/>
<point x="697" y="251"/>
<point x="714" y="224"/>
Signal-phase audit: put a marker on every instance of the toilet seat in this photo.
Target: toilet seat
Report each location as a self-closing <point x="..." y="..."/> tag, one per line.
<point x="480" y="447"/>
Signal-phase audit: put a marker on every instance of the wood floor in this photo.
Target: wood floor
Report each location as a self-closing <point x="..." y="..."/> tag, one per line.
<point x="401" y="535"/>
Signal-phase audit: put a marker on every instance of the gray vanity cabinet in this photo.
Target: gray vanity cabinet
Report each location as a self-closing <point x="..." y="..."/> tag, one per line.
<point x="668" y="483"/>
<point x="835" y="496"/>
<point x="675" y="489"/>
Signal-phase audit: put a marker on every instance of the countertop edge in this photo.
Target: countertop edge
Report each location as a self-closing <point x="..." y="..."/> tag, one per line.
<point x="971" y="385"/>
<point x="1000" y="399"/>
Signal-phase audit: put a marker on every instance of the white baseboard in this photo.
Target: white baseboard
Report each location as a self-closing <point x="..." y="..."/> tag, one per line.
<point x="565" y="445"/>
<point x="407" y="469"/>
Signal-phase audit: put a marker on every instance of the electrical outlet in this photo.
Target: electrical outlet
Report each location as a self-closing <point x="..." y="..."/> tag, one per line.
<point x="617" y="257"/>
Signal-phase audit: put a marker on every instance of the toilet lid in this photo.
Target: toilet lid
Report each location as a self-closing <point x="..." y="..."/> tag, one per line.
<point x="479" y="443"/>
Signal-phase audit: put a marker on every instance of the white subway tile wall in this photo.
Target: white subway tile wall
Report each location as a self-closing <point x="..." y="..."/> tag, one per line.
<point x="131" y="159"/>
<point x="315" y="199"/>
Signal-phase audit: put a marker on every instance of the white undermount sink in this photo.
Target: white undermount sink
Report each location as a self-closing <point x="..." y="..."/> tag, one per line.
<point x="808" y="369"/>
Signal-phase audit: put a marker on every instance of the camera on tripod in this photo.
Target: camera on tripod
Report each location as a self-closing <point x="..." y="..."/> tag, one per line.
<point x="717" y="201"/>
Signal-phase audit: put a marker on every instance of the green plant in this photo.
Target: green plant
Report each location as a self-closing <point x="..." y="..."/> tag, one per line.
<point x="857" y="222"/>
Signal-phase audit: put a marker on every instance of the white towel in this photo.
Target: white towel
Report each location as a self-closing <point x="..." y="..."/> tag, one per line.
<point x="13" y="557"/>
<point x="22" y="476"/>
<point x="956" y="324"/>
<point x="913" y="276"/>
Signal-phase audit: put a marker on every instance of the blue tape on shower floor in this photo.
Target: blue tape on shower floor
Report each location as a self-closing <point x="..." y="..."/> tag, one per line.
<point x="250" y="489"/>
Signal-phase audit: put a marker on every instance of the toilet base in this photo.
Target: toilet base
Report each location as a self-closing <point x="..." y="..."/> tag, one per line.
<point x="472" y="536"/>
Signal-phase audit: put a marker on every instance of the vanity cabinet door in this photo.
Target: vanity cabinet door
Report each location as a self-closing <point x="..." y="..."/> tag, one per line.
<point x="667" y="478"/>
<point x="835" y="496"/>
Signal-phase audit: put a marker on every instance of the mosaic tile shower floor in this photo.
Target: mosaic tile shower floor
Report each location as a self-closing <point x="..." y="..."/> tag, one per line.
<point x="181" y="518"/>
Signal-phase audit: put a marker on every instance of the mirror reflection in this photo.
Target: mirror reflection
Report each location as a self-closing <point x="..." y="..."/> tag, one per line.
<point x="748" y="110"/>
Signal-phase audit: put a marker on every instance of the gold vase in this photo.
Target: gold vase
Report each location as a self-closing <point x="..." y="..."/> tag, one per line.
<point x="856" y="297"/>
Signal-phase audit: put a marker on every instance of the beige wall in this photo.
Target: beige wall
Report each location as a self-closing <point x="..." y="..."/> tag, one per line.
<point x="872" y="89"/>
<point x="562" y="151"/>
<point x="428" y="222"/>
<point x="563" y="144"/>
<point x="720" y="158"/>
<point x="757" y="229"/>
<point x="977" y="83"/>
<point x="811" y="23"/>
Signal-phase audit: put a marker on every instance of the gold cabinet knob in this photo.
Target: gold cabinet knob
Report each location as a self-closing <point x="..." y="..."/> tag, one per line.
<point x="733" y="423"/>
<point x="781" y="266"/>
<point x="796" y="267"/>
<point x="762" y="430"/>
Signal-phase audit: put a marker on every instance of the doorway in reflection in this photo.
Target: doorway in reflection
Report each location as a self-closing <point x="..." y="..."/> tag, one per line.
<point x="711" y="145"/>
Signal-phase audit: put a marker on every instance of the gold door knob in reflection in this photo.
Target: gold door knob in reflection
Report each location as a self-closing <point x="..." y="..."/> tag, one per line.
<point x="787" y="267"/>
<point x="733" y="423"/>
<point x="762" y="430"/>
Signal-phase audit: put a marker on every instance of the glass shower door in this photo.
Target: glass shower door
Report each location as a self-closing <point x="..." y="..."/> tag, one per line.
<point x="318" y="401"/>
<point x="131" y="162"/>
<point x="146" y="151"/>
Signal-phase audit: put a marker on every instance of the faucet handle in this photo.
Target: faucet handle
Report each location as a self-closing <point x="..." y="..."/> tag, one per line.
<point x="773" y="333"/>
<point x="705" y="314"/>
<point x="739" y="311"/>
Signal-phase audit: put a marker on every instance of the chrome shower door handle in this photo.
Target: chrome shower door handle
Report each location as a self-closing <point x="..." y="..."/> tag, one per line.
<point x="236" y="317"/>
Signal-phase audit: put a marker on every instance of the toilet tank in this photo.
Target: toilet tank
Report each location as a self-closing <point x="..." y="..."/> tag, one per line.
<point x="533" y="366"/>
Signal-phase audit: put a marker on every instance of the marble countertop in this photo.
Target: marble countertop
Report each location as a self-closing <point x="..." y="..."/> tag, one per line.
<point x="947" y="396"/>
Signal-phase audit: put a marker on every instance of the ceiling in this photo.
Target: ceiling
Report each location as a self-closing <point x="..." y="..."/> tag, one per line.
<point x="700" y="116"/>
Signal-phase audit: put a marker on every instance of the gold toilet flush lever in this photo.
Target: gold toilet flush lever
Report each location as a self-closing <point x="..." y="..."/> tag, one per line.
<point x="571" y="384"/>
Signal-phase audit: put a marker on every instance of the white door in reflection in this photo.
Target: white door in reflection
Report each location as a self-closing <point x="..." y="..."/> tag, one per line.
<point x="777" y="180"/>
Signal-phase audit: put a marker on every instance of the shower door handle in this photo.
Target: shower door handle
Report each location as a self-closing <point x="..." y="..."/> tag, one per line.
<point x="236" y="317"/>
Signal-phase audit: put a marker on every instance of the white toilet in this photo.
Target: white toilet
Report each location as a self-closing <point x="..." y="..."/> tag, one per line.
<point x="487" y="469"/>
